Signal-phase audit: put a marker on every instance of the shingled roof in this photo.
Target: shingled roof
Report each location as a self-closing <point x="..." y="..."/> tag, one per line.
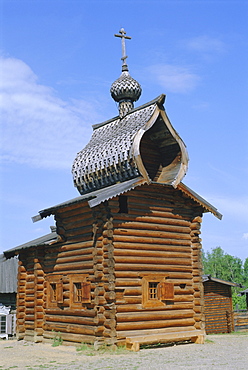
<point x="118" y="151"/>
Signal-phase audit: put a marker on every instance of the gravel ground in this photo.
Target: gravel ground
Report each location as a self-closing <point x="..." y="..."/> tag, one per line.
<point x="227" y="351"/>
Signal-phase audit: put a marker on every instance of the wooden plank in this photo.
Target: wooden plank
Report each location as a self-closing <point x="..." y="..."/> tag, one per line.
<point x="133" y="343"/>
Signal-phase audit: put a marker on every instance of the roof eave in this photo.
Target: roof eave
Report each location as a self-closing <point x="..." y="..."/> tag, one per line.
<point x="196" y="197"/>
<point x="217" y="280"/>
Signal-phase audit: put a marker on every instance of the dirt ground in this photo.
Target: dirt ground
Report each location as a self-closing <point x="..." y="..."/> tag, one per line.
<point x="227" y="351"/>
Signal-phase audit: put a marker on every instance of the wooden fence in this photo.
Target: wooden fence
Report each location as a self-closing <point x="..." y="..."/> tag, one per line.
<point x="240" y="320"/>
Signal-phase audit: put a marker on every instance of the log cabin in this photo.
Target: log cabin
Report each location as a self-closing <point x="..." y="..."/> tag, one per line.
<point x="218" y="305"/>
<point x="125" y="266"/>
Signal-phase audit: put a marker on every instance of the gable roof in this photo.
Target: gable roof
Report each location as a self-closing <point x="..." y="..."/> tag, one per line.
<point x="102" y="195"/>
<point x="220" y="281"/>
<point x="43" y="240"/>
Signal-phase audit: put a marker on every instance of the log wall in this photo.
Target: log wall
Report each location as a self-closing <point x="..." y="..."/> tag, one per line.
<point x="115" y="252"/>
<point x="240" y="320"/>
<point x="160" y="237"/>
<point x="218" y="308"/>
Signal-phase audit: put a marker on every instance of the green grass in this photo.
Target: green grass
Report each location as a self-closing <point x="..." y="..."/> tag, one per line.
<point x="57" y="340"/>
<point x="90" y="350"/>
<point x="209" y="341"/>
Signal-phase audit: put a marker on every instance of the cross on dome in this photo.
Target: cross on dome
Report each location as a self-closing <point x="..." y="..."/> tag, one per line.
<point x="125" y="90"/>
<point x="123" y="36"/>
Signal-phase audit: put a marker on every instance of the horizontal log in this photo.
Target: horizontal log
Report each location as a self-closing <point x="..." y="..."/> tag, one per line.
<point x="130" y="300"/>
<point x="154" y="315"/>
<point x="72" y="329"/>
<point x="157" y="259"/>
<point x="135" y="274"/>
<point x="74" y="266"/>
<point x="152" y="234"/>
<point x="79" y="320"/>
<point x="150" y="240"/>
<point x="154" y="324"/>
<point x="71" y="312"/>
<point x="138" y="307"/>
<point x="68" y="246"/>
<point x="153" y="227"/>
<point x="167" y="218"/>
<point x="80" y="220"/>
<point x="75" y="209"/>
<point x="124" y="334"/>
<point x="150" y="268"/>
<point x="76" y="258"/>
<point x="76" y="338"/>
<point x="81" y="251"/>
<point x="132" y="291"/>
<point x="152" y="252"/>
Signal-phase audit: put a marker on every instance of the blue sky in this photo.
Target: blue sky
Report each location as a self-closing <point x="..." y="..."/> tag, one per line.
<point x="58" y="61"/>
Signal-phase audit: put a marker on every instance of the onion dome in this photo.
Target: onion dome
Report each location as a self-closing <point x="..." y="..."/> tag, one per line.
<point x="125" y="88"/>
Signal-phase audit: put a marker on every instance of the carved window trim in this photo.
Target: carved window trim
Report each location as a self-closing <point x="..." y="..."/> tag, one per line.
<point x="156" y="291"/>
<point x="80" y="290"/>
<point x="54" y="291"/>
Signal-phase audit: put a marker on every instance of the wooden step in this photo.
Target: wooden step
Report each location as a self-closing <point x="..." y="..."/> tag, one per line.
<point x="133" y="343"/>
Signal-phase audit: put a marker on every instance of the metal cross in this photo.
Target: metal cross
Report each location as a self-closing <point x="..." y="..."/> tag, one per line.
<point x="123" y="37"/>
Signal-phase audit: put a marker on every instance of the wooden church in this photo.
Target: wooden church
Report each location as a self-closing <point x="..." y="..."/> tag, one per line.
<point x="125" y="265"/>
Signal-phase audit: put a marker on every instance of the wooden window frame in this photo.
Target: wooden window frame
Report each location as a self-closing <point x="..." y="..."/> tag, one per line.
<point x="164" y="291"/>
<point x="54" y="291"/>
<point x="79" y="299"/>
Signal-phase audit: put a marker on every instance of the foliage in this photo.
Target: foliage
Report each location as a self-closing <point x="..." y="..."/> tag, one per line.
<point x="221" y="265"/>
<point x="92" y="350"/>
<point x="57" y="340"/>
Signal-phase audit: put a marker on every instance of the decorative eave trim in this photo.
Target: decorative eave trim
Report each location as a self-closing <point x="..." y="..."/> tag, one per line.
<point x="94" y="198"/>
<point x="197" y="198"/>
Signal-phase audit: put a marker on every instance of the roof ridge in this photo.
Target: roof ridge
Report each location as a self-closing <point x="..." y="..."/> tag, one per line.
<point x="159" y="100"/>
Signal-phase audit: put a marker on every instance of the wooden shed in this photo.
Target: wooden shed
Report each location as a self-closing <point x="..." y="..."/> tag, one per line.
<point x="218" y="305"/>
<point x="8" y="281"/>
<point x="126" y="264"/>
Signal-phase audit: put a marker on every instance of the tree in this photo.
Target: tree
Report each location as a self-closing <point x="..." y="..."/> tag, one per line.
<point x="221" y="265"/>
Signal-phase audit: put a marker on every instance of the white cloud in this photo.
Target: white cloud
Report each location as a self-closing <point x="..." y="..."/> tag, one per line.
<point x="175" y="79"/>
<point x="38" y="128"/>
<point x="205" y="44"/>
<point x="245" y="236"/>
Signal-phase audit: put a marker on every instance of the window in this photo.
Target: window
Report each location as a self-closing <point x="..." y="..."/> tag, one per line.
<point x="156" y="291"/>
<point x="80" y="290"/>
<point x="123" y="205"/>
<point x="2" y="324"/>
<point x="54" y="290"/>
<point x="153" y="290"/>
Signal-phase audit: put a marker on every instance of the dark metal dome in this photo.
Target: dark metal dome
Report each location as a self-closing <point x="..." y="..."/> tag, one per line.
<point x="125" y="88"/>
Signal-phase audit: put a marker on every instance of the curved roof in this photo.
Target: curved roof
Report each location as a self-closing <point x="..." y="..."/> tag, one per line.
<point x="141" y="144"/>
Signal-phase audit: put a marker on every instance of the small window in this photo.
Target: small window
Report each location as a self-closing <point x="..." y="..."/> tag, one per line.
<point x="77" y="292"/>
<point x="155" y="291"/>
<point x="54" y="290"/>
<point x="80" y="290"/>
<point x="3" y="324"/>
<point x="123" y="205"/>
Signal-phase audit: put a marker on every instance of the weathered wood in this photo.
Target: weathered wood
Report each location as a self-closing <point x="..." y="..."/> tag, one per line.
<point x="154" y="315"/>
<point x="154" y="324"/>
<point x="152" y="233"/>
<point x="133" y="343"/>
<point x="146" y="239"/>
